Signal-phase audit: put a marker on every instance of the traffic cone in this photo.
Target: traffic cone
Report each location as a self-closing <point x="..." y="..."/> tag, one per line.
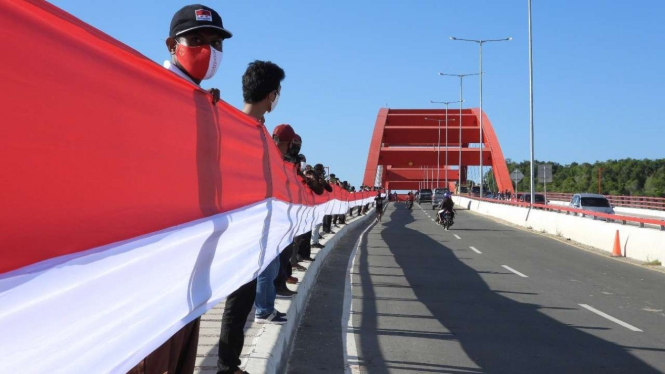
<point x="617" y="246"/>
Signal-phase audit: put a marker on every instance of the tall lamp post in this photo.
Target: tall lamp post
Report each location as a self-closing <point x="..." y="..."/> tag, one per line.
<point x="480" y="44"/>
<point x="446" y="103"/>
<point x="531" y="140"/>
<point x="438" y="150"/>
<point x="461" y="101"/>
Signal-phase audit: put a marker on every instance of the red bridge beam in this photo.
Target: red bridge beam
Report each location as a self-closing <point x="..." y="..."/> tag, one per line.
<point x="403" y="175"/>
<point x="405" y="185"/>
<point x="404" y="157"/>
<point x="375" y="148"/>
<point x="417" y="135"/>
<point x="499" y="167"/>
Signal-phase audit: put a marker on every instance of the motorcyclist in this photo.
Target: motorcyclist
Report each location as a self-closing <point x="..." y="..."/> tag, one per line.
<point x="447" y="204"/>
<point x="409" y="199"/>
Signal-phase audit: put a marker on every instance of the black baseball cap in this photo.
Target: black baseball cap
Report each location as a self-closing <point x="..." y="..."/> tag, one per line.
<point x="197" y="16"/>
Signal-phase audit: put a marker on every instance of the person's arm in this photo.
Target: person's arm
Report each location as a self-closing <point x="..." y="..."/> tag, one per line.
<point x="326" y="185"/>
<point x="313" y="183"/>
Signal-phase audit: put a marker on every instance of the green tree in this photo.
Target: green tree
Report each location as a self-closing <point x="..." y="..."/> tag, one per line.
<point x="618" y="177"/>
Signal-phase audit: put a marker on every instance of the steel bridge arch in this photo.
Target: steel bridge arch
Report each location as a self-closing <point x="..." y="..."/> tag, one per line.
<point x="404" y="141"/>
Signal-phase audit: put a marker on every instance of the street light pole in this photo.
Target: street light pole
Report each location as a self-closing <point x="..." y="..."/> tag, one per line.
<point x="446" y="103"/>
<point x="531" y="132"/>
<point x="480" y="43"/>
<point x="438" y="154"/>
<point x="461" y="101"/>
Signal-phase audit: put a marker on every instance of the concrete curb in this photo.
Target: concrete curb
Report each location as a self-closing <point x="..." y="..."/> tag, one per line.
<point x="272" y="345"/>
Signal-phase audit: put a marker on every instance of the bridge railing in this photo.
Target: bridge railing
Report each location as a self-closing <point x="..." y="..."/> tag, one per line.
<point x="639" y="202"/>
<point x="610" y="218"/>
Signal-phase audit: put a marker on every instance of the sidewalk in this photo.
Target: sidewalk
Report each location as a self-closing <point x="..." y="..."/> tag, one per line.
<point x="267" y="346"/>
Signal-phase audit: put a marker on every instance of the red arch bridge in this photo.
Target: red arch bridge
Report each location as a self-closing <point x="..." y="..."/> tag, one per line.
<point x="410" y="146"/>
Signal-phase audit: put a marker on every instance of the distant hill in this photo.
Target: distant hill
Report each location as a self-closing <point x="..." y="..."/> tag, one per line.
<point x="619" y="177"/>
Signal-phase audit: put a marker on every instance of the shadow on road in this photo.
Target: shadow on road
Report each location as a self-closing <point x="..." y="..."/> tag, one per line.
<point x="499" y="334"/>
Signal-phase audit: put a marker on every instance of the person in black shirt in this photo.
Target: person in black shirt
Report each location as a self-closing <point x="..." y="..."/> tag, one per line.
<point x="447" y="204"/>
<point x="261" y="85"/>
<point x="378" y="201"/>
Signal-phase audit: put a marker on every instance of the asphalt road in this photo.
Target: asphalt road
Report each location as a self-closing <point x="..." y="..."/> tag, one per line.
<point x="424" y="301"/>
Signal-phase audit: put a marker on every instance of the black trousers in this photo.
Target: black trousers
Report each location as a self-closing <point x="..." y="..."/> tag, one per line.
<point x="176" y="355"/>
<point x="327" y="222"/>
<point x="237" y="308"/>
<point x="305" y="246"/>
<point x="285" y="270"/>
<point x="297" y="242"/>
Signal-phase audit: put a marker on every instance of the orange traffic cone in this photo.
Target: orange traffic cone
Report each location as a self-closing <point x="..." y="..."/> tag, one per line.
<point x="617" y="246"/>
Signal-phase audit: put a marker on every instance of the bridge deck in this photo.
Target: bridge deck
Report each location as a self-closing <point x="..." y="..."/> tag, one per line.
<point x="424" y="301"/>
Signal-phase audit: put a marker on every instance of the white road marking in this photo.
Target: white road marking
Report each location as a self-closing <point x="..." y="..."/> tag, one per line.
<point x="475" y="250"/>
<point x="605" y="315"/>
<point x="348" y="339"/>
<point x="457" y="236"/>
<point x="515" y="271"/>
<point x="432" y="219"/>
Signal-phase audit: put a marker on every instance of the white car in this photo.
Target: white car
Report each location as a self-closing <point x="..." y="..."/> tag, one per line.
<point x="592" y="202"/>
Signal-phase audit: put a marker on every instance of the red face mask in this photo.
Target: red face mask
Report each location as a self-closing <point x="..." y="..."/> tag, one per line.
<point x="200" y="62"/>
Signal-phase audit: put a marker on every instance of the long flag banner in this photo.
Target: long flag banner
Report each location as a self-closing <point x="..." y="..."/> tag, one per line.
<point x="129" y="203"/>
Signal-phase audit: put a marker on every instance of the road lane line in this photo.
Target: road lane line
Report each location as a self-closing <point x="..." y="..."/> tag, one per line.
<point x="605" y="315"/>
<point x="475" y="250"/>
<point x="351" y="359"/>
<point x="515" y="271"/>
<point x="432" y="219"/>
<point x="457" y="236"/>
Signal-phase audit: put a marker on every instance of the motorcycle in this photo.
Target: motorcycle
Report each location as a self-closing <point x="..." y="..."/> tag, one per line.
<point x="447" y="220"/>
<point x="409" y="204"/>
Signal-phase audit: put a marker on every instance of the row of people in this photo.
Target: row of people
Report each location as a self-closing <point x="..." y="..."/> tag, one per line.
<point x="195" y="44"/>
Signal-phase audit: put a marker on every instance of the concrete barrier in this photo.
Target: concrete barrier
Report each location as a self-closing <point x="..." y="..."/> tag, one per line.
<point x="642" y="244"/>
<point x="272" y="344"/>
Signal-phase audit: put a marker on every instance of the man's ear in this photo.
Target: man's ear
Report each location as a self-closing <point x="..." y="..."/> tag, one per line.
<point x="272" y="96"/>
<point x="170" y="44"/>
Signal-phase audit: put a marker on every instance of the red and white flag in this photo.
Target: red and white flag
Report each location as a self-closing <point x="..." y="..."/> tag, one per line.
<point x="129" y="203"/>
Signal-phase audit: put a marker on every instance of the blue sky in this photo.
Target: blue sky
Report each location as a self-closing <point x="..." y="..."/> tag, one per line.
<point x="599" y="68"/>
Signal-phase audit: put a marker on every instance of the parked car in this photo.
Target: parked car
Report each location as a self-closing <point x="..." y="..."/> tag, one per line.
<point x="539" y="198"/>
<point x="424" y="195"/>
<point x="475" y="191"/>
<point x="592" y="202"/>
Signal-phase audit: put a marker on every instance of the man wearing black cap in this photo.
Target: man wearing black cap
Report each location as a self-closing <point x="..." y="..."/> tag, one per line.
<point x="195" y="42"/>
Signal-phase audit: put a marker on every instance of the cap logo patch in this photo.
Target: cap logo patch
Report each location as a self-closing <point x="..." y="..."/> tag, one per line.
<point x="203" y="15"/>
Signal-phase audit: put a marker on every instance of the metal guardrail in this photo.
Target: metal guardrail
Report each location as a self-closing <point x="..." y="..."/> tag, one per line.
<point x="610" y="218"/>
<point x="639" y="202"/>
